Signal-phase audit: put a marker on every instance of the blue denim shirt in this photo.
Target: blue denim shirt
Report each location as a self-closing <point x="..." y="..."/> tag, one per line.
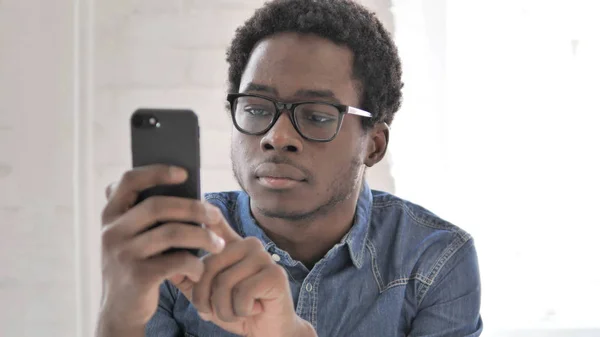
<point x="399" y="271"/>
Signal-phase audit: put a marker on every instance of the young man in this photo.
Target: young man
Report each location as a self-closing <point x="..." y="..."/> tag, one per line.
<point x="307" y="248"/>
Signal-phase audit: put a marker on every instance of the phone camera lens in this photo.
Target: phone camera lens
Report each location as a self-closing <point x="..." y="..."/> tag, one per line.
<point x="153" y="121"/>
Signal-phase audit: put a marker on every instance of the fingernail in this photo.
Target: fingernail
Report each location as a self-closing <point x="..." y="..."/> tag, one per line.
<point x="110" y="189"/>
<point x="220" y="242"/>
<point x="217" y="239"/>
<point x="177" y="173"/>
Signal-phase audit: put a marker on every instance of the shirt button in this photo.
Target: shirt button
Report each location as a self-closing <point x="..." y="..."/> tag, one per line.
<point x="309" y="287"/>
<point x="276" y="257"/>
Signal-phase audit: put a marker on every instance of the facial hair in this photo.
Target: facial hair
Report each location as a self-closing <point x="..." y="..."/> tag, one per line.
<point x="341" y="188"/>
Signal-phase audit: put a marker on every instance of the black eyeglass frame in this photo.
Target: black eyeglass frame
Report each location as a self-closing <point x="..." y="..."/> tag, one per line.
<point x="291" y="107"/>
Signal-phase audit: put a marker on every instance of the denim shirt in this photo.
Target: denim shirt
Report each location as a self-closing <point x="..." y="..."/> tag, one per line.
<point x="399" y="271"/>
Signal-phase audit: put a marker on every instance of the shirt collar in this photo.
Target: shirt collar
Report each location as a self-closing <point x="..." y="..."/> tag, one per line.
<point x="355" y="239"/>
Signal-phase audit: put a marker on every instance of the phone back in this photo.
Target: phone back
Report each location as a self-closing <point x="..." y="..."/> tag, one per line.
<point x="164" y="136"/>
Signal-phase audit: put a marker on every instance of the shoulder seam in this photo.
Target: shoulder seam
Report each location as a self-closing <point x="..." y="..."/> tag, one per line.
<point x="446" y="255"/>
<point x="450" y="227"/>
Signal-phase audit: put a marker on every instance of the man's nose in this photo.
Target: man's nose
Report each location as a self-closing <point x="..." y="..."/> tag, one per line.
<point x="282" y="136"/>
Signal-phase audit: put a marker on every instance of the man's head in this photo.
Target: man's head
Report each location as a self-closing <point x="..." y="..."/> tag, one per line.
<point x="319" y="51"/>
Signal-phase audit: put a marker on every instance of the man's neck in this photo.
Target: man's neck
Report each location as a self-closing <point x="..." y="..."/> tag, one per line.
<point x="308" y="241"/>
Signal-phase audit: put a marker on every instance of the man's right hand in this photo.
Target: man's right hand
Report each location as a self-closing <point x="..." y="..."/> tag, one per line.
<point x="132" y="266"/>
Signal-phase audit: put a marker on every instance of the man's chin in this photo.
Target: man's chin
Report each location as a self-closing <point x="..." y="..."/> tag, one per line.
<point x="284" y="213"/>
<point x="279" y="204"/>
<point x="291" y="205"/>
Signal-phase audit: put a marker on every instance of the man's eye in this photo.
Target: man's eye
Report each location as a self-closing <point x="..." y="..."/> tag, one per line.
<point x="257" y="111"/>
<point x="320" y="118"/>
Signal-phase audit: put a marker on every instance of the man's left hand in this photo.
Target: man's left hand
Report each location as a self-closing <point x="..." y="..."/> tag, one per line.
<point x="242" y="289"/>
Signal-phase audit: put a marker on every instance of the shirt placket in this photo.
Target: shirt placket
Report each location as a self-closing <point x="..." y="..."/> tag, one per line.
<point x="309" y="296"/>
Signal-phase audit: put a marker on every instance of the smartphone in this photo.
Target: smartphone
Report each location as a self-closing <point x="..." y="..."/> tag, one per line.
<point x="172" y="137"/>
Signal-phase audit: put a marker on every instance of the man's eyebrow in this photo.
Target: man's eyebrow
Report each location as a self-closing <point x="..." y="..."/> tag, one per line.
<point x="317" y="94"/>
<point x="308" y="93"/>
<point x="261" y="87"/>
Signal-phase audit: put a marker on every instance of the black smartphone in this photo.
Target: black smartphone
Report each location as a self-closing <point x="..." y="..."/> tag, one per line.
<point x="172" y="137"/>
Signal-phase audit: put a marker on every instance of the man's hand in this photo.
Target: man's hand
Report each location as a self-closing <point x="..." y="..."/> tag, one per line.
<point x="242" y="289"/>
<point x="132" y="266"/>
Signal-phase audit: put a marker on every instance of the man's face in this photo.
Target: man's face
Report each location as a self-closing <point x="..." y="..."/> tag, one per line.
<point x="286" y="175"/>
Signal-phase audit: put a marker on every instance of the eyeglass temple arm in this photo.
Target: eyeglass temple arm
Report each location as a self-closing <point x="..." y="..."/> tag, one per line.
<point x="359" y="112"/>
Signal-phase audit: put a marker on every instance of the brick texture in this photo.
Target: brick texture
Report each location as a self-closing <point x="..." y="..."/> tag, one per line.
<point x="37" y="273"/>
<point x="154" y="53"/>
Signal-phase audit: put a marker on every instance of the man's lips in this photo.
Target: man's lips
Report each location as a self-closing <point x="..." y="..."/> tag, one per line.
<point x="279" y="171"/>
<point x="279" y="176"/>
<point x="278" y="183"/>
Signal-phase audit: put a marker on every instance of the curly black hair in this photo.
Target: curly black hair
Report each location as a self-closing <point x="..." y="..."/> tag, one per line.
<point x="344" y="22"/>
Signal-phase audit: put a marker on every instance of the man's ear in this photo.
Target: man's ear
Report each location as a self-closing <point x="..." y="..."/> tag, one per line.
<point x="379" y="137"/>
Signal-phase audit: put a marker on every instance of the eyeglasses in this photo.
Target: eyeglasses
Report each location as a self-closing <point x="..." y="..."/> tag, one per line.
<point x="316" y="121"/>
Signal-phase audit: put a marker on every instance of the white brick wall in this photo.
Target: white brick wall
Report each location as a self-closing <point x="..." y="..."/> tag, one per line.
<point x="146" y="53"/>
<point x="37" y="250"/>
<point x="173" y="54"/>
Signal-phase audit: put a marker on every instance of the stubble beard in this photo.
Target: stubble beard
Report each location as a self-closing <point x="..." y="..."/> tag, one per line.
<point x="340" y="189"/>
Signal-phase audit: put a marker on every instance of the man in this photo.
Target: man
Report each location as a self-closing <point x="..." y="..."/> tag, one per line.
<point x="307" y="248"/>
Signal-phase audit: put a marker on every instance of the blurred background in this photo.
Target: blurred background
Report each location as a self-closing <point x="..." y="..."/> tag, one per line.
<point x="498" y="135"/>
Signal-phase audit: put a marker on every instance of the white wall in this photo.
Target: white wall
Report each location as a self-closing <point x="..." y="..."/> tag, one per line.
<point x="499" y="134"/>
<point x="37" y="241"/>
<point x="172" y="53"/>
<point x="71" y="73"/>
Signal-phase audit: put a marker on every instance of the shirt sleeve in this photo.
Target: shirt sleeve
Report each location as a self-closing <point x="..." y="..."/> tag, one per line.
<point x="450" y="307"/>
<point x="163" y="323"/>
